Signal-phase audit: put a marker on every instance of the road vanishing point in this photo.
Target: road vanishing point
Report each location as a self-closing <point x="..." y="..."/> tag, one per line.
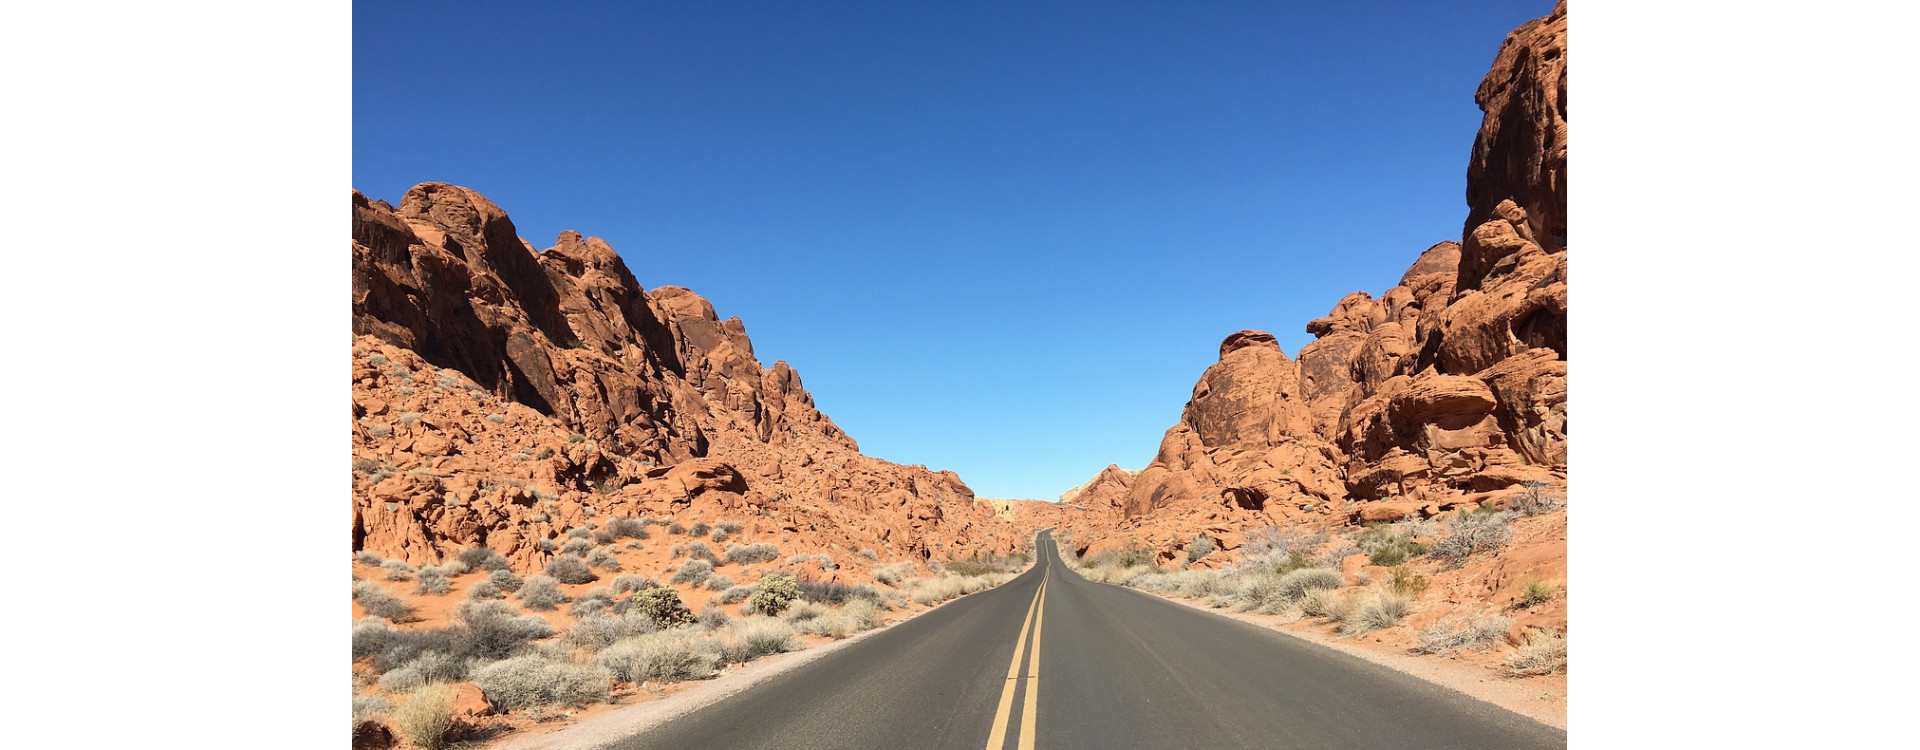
<point x="1053" y="661"/>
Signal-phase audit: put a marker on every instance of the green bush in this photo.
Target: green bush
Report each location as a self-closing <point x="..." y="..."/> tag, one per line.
<point x="773" y="593"/>
<point x="1385" y="545"/>
<point x="662" y="606"/>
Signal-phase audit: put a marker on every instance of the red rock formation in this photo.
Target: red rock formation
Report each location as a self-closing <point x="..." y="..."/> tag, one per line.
<point x="1449" y="389"/>
<point x="503" y="394"/>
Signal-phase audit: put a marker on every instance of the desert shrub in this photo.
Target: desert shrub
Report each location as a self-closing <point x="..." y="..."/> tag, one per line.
<point x="397" y="570"/>
<point x="772" y="594"/>
<point x="719" y="535"/>
<point x="719" y="582"/>
<point x="1200" y="547"/>
<point x="712" y="618"/>
<point x="544" y="454"/>
<point x="1407" y="583"/>
<point x="497" y="418"/>
<point x="580" y="532"/>
<point x="425" y="716"/>
<point x="731" y="527"/>
<point x="379" y="603"/>
<point x="631" y="582"/>
<point x="892" y="574"/>
<point x="428" y="667"/>
<point x="1380" y="609"/>
<point x="367" y="558"/>
<point x="603" y="559"/>
<point x="1475" y="634"/>
<point x="700" y="529"/>
<point x="536" y="680"/>
<point x="505" y="579"/>
<point x="976" y="565"/>
<point x="761" y="635"/>
<point x="757" y="552"/>
<point x="676" y="528"/>
<point x="364" y="708"/>
<point x="371" y="636"/>
<point x="1385" y="545"/>
<point x="432" y="581"/>
<point x="541" y="593"/>
<point x="1474" y="532"/>
<point x="1276" y="542"/>
<point x="1295" y="585"/>
<point x="496" y="629"/>
<point x="1536" y="592"/>
<point x="834" y="593"/>
<point x="1323" y="603"/>
<point x="662" y="606"/>
<point x="1332" y="558"/>
<point x="694" y="572"/>
<point x="700" y="550"/>
<point x="1543" y="652"/>
<point x="576" y="547"/>
<point x="598" y="631"/>
<point x="869" y="554"/>
<point x="669" y="655"/>
<point x="862" y="614"/>
<point x="621" y="528"/>
<point x="1296" y="561"/>
<point x="378" y="359"/>
<point x="936" y="589"/>
<point x="599" y="600"/>
<point x="1536" y="498"/>
<point x="486" y="589"/>
<point x="736" y="594"/>
<point x="570" y="569"/>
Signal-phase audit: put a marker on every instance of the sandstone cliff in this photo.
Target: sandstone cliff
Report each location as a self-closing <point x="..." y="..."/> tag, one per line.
<point x="1449" y="390"/>
<point x="503" y="394"/>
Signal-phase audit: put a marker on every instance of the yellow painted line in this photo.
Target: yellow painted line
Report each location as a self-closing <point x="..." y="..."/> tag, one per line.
<point x="1031" y="710"/>
<point x="998" y="739"/>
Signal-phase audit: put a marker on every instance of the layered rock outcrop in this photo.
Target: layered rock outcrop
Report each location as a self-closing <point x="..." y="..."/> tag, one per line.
<point x="1449" y="389"/>
<point x="504" y="394"/>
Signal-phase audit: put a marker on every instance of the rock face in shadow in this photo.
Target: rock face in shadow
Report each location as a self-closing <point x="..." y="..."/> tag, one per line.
<point x="1447" y="390"/>
<point x="504" y="394"/>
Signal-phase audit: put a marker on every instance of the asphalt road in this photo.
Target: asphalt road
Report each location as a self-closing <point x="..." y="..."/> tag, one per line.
<point x="1051" y="660"/>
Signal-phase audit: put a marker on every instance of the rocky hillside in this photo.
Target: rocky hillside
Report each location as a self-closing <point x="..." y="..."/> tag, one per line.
<point x="503" y="394"/>
<point x="1446" y="392"/>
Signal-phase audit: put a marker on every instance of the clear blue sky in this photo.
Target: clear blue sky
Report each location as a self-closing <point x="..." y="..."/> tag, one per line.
<point x="998" y="238"/>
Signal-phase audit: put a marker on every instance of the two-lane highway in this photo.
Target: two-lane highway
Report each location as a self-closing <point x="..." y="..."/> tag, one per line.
<point x="1051" y="660"/>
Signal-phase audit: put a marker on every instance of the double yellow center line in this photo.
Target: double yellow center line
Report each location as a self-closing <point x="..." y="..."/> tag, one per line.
<point x="1036" y="612"/>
